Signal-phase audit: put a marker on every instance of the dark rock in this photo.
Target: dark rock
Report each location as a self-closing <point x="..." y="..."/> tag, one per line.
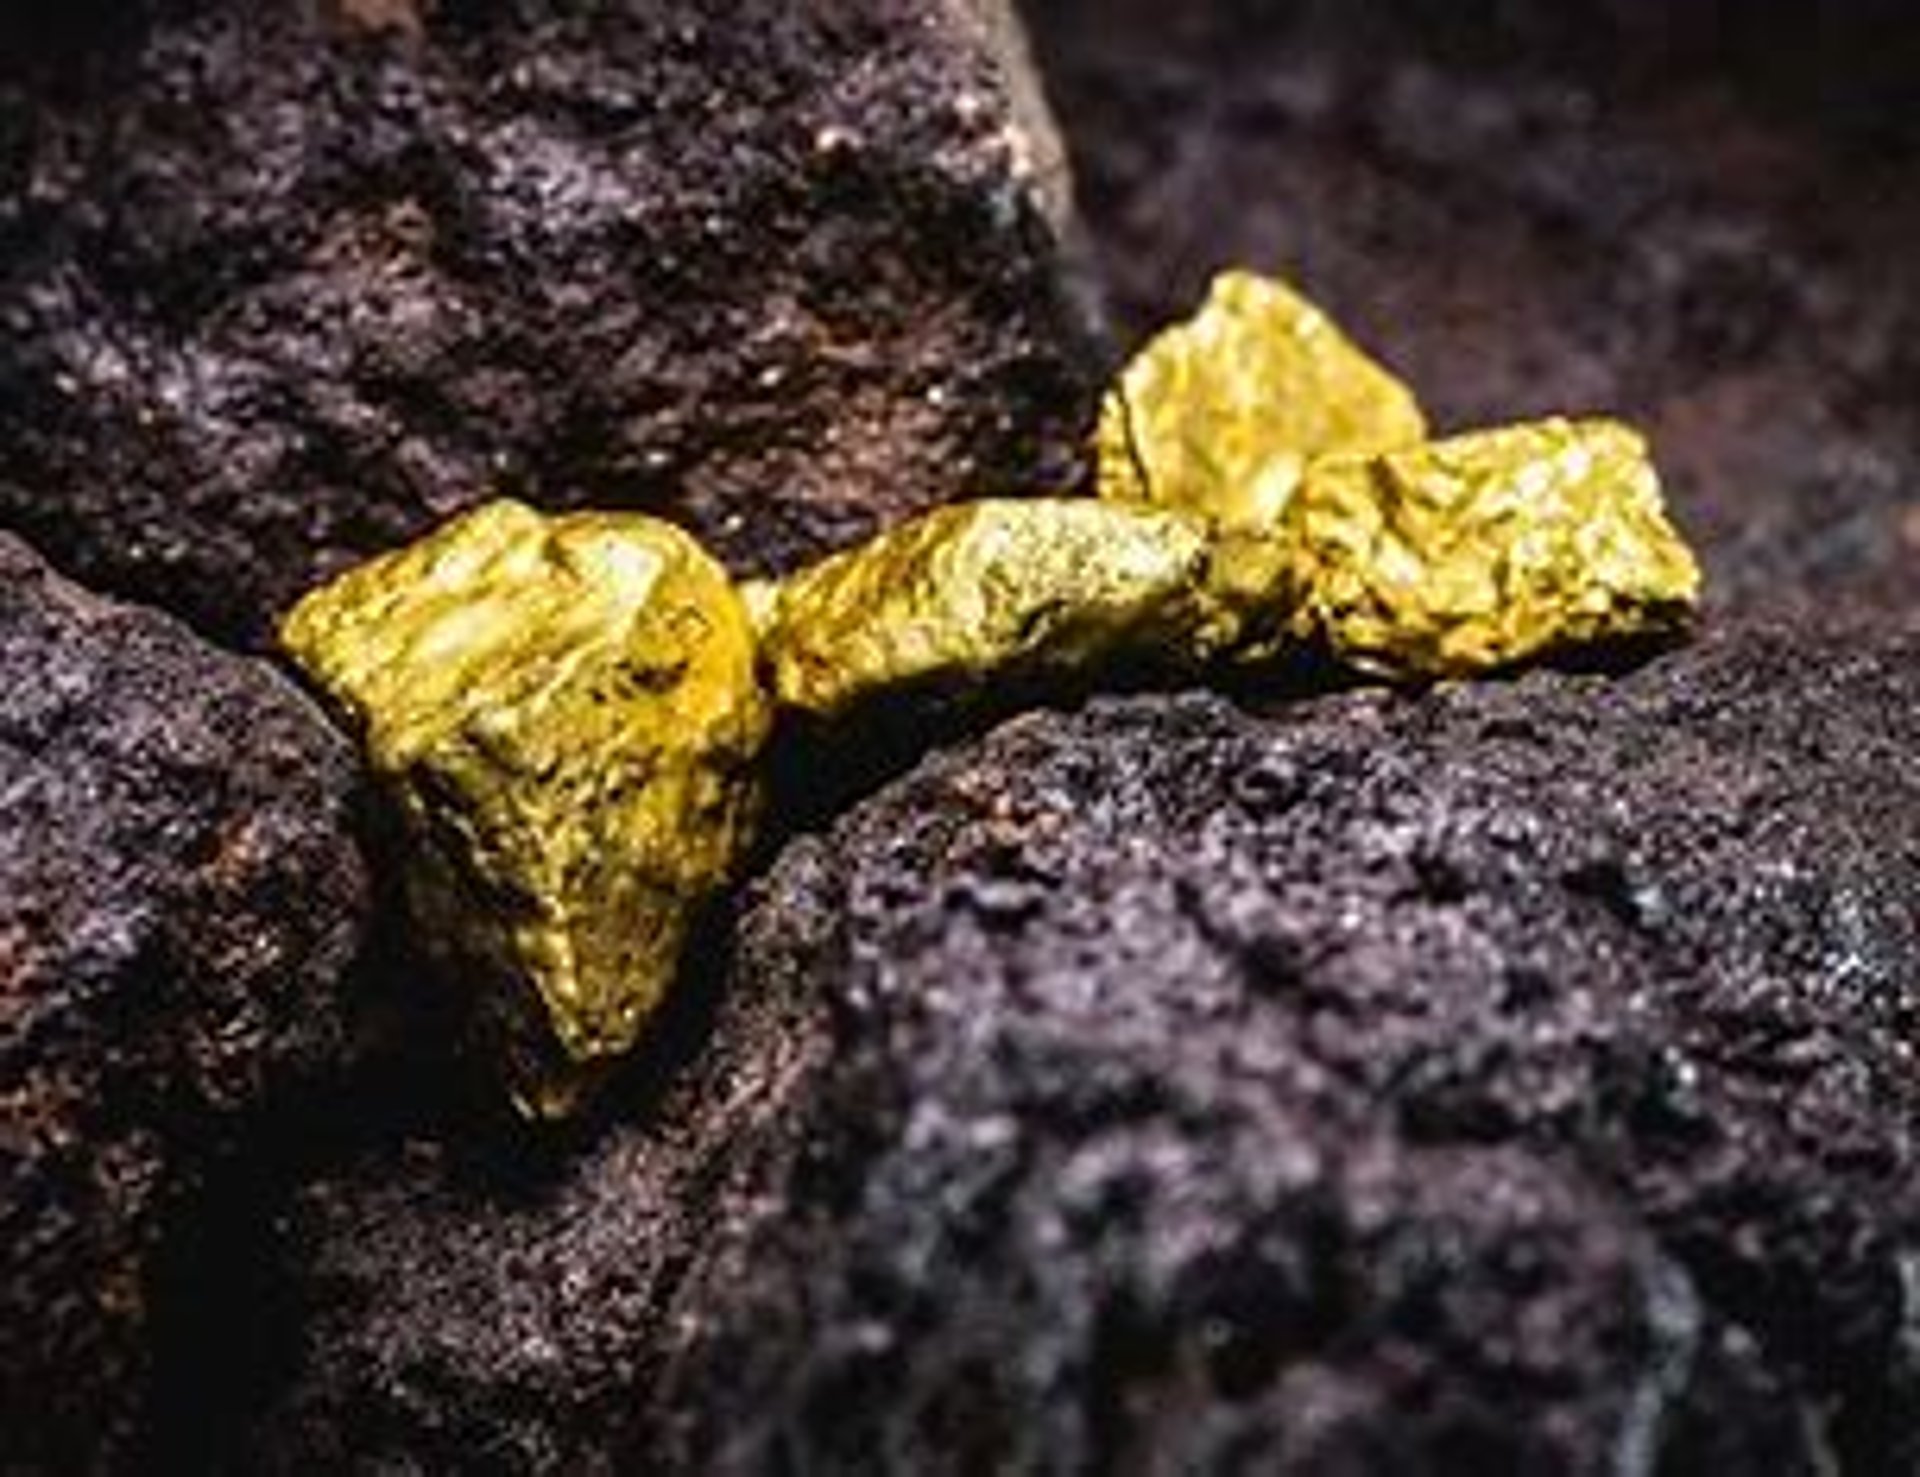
<point x="283" y="284"/>
<point x="1698" y="215"/>
<point x="180" y="900"/>
<point x="1512" y="1078"/>
<point x="460" y="1301"/>
<point x="1215" y="1087"/>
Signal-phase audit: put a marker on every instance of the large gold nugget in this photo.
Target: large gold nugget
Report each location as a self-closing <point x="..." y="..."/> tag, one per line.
<point x="1221" y="415"/>
<point x="568" y="712"/>
<point x="1474" y="553"/>
<point x="979" y="592"/>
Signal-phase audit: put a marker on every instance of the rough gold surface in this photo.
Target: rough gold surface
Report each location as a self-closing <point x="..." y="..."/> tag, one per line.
<point x="1221" y="415"/>
<point x="1473" y="553"/>
<point x="568" y="713"/>
<point x="984" y="591"/>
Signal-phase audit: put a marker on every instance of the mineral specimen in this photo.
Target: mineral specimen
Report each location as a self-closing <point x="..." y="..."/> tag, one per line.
<point x="1473" y="553"/>
<point x="1330" y="518"/>
<point x="1220" y="416"/>
<point x="572" y="710"/>
<point x="567" y="711"/>
<point x="982" y="592"/>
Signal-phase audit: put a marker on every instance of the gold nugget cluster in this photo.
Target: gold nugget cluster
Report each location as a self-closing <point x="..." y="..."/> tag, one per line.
<point x="569" y="713"/>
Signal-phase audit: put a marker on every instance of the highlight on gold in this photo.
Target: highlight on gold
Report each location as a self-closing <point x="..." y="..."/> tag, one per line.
<point x="1220" y="416"/>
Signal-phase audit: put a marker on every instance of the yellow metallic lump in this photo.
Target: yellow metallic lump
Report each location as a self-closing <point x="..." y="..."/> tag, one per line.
<point x="1477" y="552"/>
<point x="567" y="712"/>
<point x="979" y="593"/>
<point x="1220" y="416"/>
<point x="1334" y="519"/>
<point x="570" y="711"/>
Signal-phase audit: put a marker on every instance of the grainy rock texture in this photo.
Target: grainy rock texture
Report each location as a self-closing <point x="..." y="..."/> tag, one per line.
<point x="450" y="1300"/>
<point x="180" y="901"/>
<point x="282" y="284"/>
<point x="1696" y="214"/>
<point x="1516" y="1078"/>
<point x="1316" y="1091"/>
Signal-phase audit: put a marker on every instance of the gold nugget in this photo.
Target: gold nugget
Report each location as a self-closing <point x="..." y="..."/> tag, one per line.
<point x="1474" y="553"/>
<point x="568" y="714"/>
<point x="983" y="592"/>
<point x="1220" y="416"/>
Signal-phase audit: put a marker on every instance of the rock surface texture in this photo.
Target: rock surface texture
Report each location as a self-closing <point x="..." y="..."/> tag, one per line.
<point x="1516" y="1078"/>
<point x="180" y="902"/>
<point x="1696" y="216"/>
<point x="282" y="285"/>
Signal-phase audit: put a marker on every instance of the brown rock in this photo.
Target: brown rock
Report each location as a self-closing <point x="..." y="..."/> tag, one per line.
<point x="180" y="902"/>
<point x="282" y="285"/>
<point x="1518" y="1078"/>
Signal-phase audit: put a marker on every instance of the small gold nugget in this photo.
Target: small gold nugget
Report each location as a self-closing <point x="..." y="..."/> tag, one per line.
<point x="1473" y="553"/>
<point x="979" y="593"/>
<point x="1220" y="416"/>
<point x="568" y="713"/>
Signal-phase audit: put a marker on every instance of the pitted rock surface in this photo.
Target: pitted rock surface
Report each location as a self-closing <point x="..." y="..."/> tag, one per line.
<point x="181" y="901"/>
<point x="1202" y="1082"/>
<point x="446" y="1297"/>
<point x="1511" y="1078"/>
<point x="284" y="284"/>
